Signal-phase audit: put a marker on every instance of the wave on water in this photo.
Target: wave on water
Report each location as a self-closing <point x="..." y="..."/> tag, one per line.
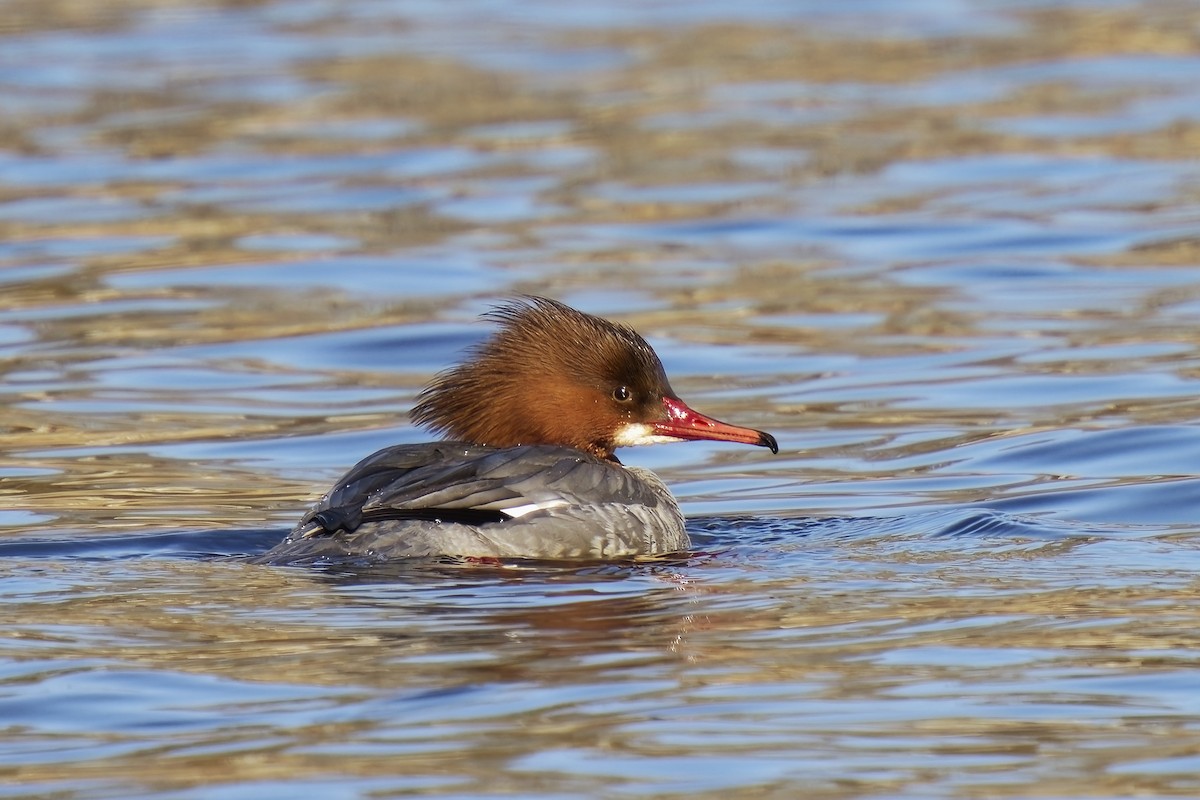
<point x="710" y="535"/>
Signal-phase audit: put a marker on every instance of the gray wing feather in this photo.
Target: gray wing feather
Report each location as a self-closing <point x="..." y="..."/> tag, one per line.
<point x="454" y="476"/>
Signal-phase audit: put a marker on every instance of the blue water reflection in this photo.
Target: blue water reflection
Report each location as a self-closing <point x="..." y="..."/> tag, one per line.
<point x="944" y="251"/>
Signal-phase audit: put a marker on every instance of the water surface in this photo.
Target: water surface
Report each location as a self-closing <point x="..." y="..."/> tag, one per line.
<point x="944" y="252"/>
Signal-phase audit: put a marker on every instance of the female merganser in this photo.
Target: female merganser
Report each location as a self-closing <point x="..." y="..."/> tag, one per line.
<point x="528" y="470"/>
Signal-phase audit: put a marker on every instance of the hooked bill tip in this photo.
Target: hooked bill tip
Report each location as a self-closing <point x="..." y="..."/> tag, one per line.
<point x="767" y="440"/>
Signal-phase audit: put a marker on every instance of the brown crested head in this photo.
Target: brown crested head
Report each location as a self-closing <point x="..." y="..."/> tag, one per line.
<point x="549" y="375"/>
<point x="554" y="375"/>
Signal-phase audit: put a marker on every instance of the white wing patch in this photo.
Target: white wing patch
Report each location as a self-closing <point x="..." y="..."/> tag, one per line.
<point x="520" y="511"/>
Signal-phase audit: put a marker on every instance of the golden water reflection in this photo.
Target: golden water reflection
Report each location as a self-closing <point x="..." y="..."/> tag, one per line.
<point x="950" y="271"/>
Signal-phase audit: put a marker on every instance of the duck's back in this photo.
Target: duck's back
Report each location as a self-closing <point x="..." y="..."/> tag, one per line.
<point x="460" y="499"/>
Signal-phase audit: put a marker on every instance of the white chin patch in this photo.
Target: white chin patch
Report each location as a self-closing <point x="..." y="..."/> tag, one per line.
<point x="636" y="433"/>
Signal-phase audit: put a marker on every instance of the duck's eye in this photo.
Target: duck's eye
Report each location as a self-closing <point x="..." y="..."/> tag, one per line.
<point x="622" y="394"/>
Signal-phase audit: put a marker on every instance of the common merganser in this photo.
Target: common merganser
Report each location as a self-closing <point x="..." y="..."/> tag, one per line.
<point x="527" y="471"/>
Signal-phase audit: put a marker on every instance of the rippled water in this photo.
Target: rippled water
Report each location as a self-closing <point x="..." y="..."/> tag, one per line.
<point x="946" y="252"/>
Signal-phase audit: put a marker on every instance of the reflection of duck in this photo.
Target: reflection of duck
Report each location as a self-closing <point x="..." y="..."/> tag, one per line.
<point x="529" y="472"/>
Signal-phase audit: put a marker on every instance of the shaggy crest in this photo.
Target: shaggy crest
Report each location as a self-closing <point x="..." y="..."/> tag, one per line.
<point x="549" y="375"/>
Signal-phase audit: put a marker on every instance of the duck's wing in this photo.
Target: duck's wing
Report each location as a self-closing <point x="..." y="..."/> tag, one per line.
<point x="449" y="482"/>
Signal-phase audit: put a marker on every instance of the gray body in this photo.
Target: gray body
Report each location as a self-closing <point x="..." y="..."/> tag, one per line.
<point x="474" y="501"/>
